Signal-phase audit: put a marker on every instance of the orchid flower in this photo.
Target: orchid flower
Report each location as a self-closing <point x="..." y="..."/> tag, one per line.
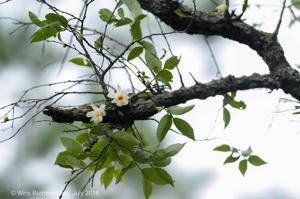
<point x="96" y="114"/>
<point x="120" y="97"/>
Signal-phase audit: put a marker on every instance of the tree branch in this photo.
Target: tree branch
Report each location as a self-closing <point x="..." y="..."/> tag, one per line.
<point x="265" y="44"/>
<point x="143" y="108"/>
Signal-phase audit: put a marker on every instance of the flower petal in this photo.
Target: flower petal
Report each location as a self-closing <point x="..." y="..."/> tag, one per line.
<point x="90" y="114"/>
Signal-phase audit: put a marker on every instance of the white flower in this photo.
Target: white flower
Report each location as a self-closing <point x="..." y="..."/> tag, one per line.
<point x="120" y="97"/>
<point x="222" y="8"/>
<point x="96" y="114"/>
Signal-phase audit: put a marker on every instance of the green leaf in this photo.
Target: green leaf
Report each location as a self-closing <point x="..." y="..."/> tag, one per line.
<point x="98" y="147"/>
<point x="135" y="29"/>
<point x="43" y="34"/>
<point x="147" y="185"/>
<point x="238" y="104"/>
<point x="184" y="127"/>
<point x="133" y="6"/>
<point x="231" y="159"/>
<point x="171" y="63"/>
<point x="125" y="138"/>
<point x="164" y="76"/>
<point x="67" y="160"/>
<point x="123" y="171"/>
<point x="98" y="43"/>
<point x="256" y="161"/>
<point x="178" y="110"/>
<point x="101" y="129"/>
<point x="121" y="13"/>
<point x="226" y="117"/>
<point x="72" y="146"/>
<point x="173" y="149"/>
<point x="163" y="127"/>
<point x="162" y="163"/>
<point x="245" y="5"/>
<point x="141" y="156"/>
<point x="243" y="166"/>
<point x="158" y="176"/>
<point x="152" y="61"/>
<point x="223" y="148"/>
<point x="35" y="20"/>
<point x="106" y="15"/>
<point x="107" y="177"/>
<point x="296" y="3"/>
<point x="80" y="61"/>
<point x="83" y="138"/>
<point x="56" y="18"/>
<point x="123" y="22"/>
<point x="135" y="52"/>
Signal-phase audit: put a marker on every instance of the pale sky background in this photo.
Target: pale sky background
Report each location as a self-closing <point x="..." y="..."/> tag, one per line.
<point x="272" y="134"/>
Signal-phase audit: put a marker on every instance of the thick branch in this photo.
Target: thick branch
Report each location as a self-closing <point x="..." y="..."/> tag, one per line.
<point x="143" y="108"/>
<point x="210" y="23"/>
<point x="265" y="44"/>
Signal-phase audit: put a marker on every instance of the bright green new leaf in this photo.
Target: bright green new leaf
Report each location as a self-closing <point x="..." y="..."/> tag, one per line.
<point x="147" y="185"/>
<point x="184" y="127"/>
<point x="173" y="149"/>
<point x="171" y="63"/>
<point x="163" y="127"/>
<point x="256" y="161"/>
<point x="226" y="117"/>
<point x="178" y="110"/>
<point x="72" y="146"/>
<point x="158" y="176"/>
<point x="223" y="148"/>
<point x="35" y="20"/>
<point x="125" y="138"/>
<point x="133" y="6"/>
<point x="243" y="166"/>
<point x="107" y="177"/>
<point x="80" y="61"/>
<point x="135" y="52"/>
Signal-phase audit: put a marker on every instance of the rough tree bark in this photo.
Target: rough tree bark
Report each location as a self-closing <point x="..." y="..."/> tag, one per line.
<point x="281" y="76"/>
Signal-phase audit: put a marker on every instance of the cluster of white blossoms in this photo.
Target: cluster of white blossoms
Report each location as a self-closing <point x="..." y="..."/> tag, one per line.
<point x="120" y="98"/>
